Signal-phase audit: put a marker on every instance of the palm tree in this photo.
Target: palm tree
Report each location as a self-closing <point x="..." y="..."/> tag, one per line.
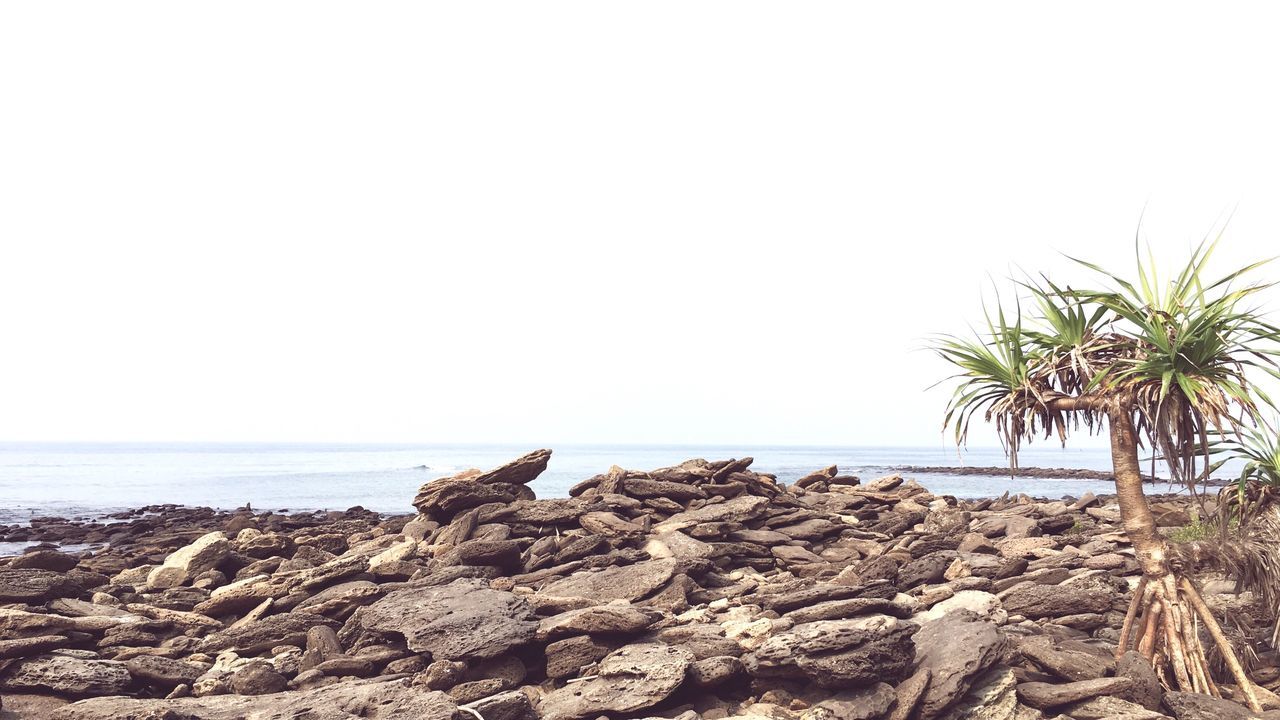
<point x="1158" y="365"/>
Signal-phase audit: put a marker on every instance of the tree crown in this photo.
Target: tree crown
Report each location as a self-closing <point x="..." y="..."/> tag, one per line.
<point x="1175" y="354"/>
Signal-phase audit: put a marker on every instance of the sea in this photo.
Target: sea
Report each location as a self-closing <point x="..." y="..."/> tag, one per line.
<point x="92" y="480"/>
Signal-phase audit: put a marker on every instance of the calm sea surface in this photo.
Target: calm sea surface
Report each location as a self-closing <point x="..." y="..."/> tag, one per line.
<point x="92" y="479"/>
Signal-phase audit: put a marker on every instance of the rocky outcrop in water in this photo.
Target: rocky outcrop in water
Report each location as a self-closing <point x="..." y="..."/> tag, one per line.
<point x="700" y="591"/>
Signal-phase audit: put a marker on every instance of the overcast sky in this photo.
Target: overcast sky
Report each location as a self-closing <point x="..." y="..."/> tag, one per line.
<point x="582" y="222"/>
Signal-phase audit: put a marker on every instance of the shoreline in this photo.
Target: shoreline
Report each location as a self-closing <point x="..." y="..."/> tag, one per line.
<point x="699" y="591"/>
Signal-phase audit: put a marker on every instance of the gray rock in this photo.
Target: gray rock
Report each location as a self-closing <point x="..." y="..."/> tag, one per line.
<point x="1067" y="659"/>
<point x="598" y="620"/>
<point x="955" y="649"/>
<point x="566" y="657"/>
<point x="511" y="705"/>
<point x="30" y="585"/>
<point x="65" y="675"/>
<point x="44" y="560"/>
<point x="1048" y="695"/>
<point x="464" y="619"/>
<point x="258" y="678"/>
<point x="1111" y="708"/>
<point x="1147" y="690"/>
<point x="27" y="647"/>
<point x="838" y="653"/>
<point x="1051" y="601"/>
<point x="865" y="704"/>
<point x="621" y="582"/>
<point x="633" y="678"/>
<point x="714" y="671"/>
<point x="1194" y="706"/>
<point x="908" y="694"/>
<point x="162" y="672"/>
<point x="185" y="563"/>
<point x="353" y="700"/>
<point x="261" y="635"/>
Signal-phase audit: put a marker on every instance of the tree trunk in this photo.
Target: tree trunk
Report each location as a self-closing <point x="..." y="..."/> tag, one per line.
<point x="1139" y="524"/>
<point x="1165" y="606"/>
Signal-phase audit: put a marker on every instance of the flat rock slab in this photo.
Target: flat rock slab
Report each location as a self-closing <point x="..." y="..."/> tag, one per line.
<point x="631" y="679"/>
<point x="1045" y="601"/>
<point x="262" y="635"/>
<point x="1047" y="695"/>
<point x="366" y="700"/>
<point x="73" y="676"/>
<point x="1194" y="706"/>
<point x="30" y="585"/>
<point x="464" y="619"/>
<point x="598" y="620"/>
<point x="520" y="471"/>
<point x="621" y="582"/>
<point x="838" y="653"/>
<point x="743" y="507"/>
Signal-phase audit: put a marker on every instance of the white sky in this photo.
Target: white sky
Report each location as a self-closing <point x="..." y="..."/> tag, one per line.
<point x="581" y="222"/>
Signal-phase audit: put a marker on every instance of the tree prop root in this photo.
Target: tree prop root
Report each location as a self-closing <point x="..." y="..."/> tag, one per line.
<point x="1164" y="620"/>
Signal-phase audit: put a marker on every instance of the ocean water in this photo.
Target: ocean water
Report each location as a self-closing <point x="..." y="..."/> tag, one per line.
<point x="92" y="479"/>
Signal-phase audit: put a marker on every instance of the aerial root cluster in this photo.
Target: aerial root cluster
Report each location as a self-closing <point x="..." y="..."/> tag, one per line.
<point x="1164" y="621"/>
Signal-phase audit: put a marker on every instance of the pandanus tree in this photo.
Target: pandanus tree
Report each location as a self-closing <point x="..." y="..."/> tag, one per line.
<point x="1161" y="366"/>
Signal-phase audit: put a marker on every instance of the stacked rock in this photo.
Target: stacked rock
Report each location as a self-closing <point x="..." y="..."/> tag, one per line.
<point x="705" y="590"/>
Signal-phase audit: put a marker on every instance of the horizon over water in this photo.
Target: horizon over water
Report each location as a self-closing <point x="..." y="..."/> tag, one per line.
<point x="89" y="479"/>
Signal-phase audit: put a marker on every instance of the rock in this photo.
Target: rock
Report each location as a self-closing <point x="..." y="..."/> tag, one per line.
<point x="511" y="705"/>
<point x="1068" y="659"/>
<point x="29" y="585"/>
<point x="621" y="582"/>
<point x="162" y="672"/>
<point x="44" y="560"/>
<point x="1146" y="690"/>
<point x="184" y="564"/>
<point x="601" y="619"/>
<point x="262" y="635"/>
<point x="908" y="694"/>
<point x="713" y="671"/>
<point x="865" y="704"/>
<point x="1051" y="601"/>
<point x="633" y="678"/>
<point x="520" y="471"/>
<point x="955" y="649"/>
<point x="443" y="674"/>
<point x="65" y="675"/>
<point x="1111" y="708"/>
<point x="738" y="509"/>
<point x="1194" y="706"/>
<point x="838" y="653"/>
<point x="29" y="646"/>
<point x="352" y="700"/>
<point x="1049" y="695"/>
<point x="992" y="697"/>
<point x="464" y="619"/>
<point x="565" y="657"/>
<point x="258" y="678"/>
<point x="983" y="604"/>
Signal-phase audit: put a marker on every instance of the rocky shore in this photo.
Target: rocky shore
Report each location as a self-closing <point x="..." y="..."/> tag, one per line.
<point x="701" y="591"/>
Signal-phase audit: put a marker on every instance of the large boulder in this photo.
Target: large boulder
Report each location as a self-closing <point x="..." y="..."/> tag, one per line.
<point x="472" y="488"/>
<point x="464" y="619"/>
<point x="633" y="678"/>
<point x="956" y="649"/>
<point x="184" y="564"/>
